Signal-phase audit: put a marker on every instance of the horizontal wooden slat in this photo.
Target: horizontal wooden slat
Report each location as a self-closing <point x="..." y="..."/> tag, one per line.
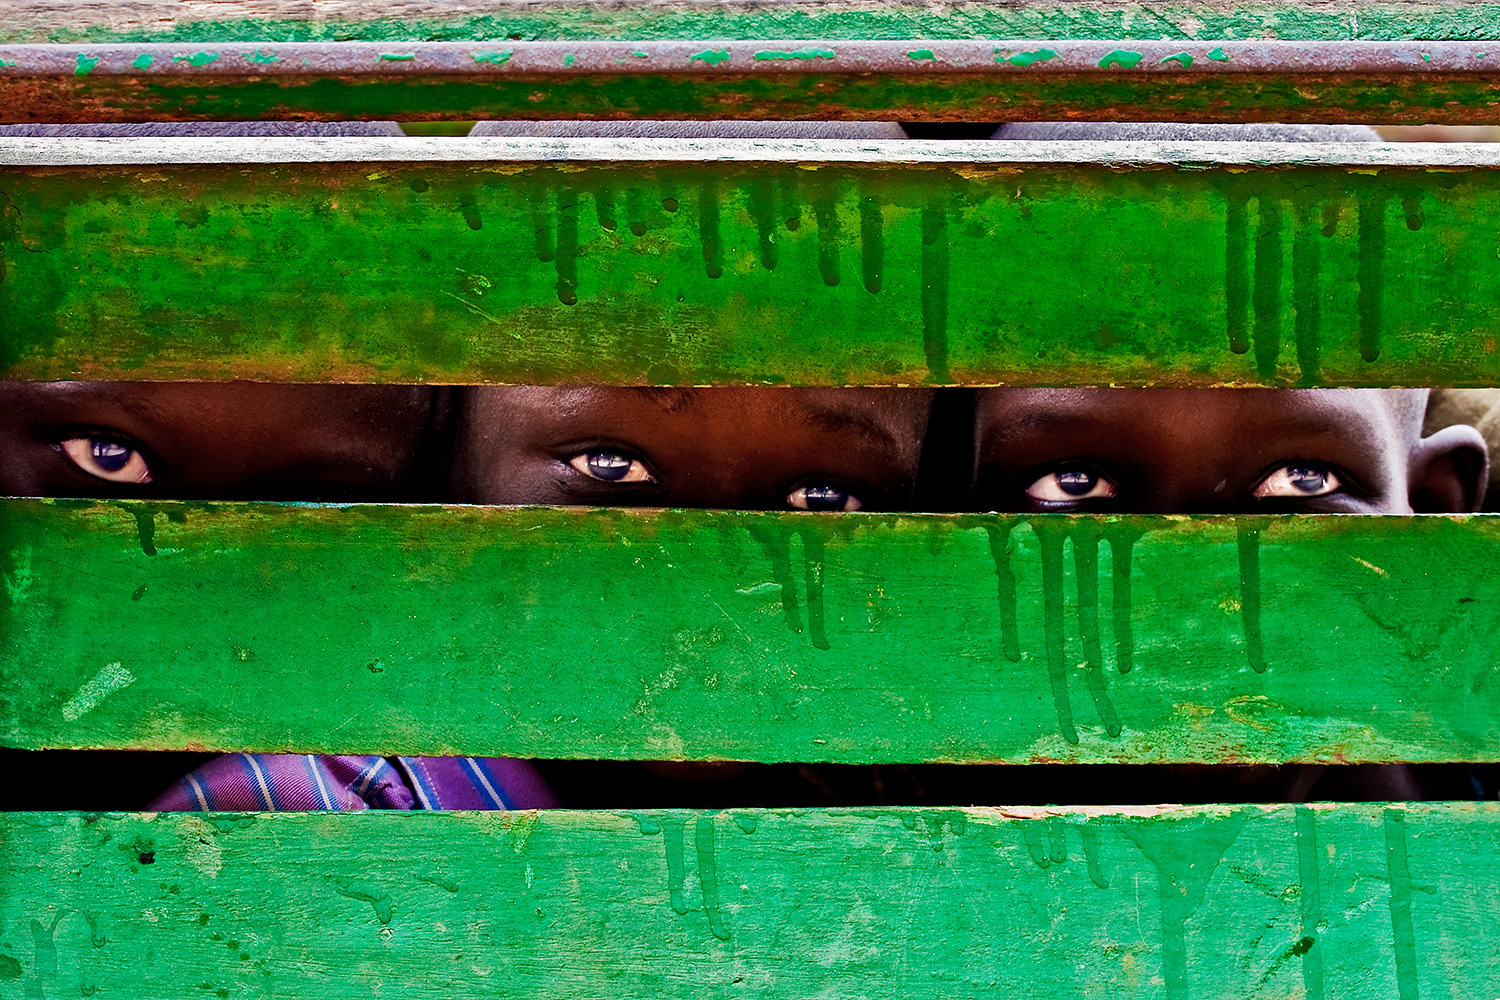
<point x="1204" y="902"/>
<point x="704" y="635"/>
<point x="915" y="79"/>
<point x="701" y="261"/>
<point x="103" y="21"/>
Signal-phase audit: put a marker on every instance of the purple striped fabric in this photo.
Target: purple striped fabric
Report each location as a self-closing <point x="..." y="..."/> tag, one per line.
<point x="255" y="782"/>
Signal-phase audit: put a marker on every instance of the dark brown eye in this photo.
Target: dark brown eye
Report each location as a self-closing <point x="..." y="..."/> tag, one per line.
<point x="1298" y="479"/>
<point x="106" y="459"/>
<point x="822" y="496"/>
<point x="1070" y="484"/>
<point x="611" y="467"/>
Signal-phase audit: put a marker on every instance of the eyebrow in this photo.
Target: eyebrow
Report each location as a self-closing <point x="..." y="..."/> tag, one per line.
<point x="670" y="399"/>
<point x="836" y="421"/>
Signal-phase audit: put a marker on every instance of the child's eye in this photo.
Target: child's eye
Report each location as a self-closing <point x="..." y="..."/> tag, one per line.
<point x="611" y="467"/>
<point x="106" y="459"/>
<point x="822" y="496"/>
<point x="1299" y="479"/>
<point x="1071" y="484"/>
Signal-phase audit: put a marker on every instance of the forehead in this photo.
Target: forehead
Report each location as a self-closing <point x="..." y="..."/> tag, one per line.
<point x="256" y="404"/>
<point x="896" y="415"/>
<point x="1385" y="416"/>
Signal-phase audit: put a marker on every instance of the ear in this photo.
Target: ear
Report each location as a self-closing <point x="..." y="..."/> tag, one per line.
<point x="1448" y="472"/>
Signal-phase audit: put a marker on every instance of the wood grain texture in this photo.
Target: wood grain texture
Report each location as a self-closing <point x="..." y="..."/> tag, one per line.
<point x="656" y="262"/>
<point x="627" y="634"/>
<point x="1000" y="78"/>
<point x="439" y="20"/>
<point x="1203" y="902"/>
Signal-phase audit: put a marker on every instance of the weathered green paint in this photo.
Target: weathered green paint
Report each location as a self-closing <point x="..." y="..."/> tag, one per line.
<point x="1121" y="58"/>
<point x="1025" y="58"/>
<point x="1244" y="902"/>
<point x="921" y="54"/>
<point x="1217" y="55"/>
<point x="711" y="56"/>
<point x="143" y="61"/>
<point x="286" y="21"/>
<point x="1182" y="59"/>
<point x="702" y="635"/>
<point x="835" y="91"/>
<point x="1135" y="274"/>
<point x="397" y="56"/>
<point x="808" y="52"/>
<point x="497" y="58"/>
<point x="197" y="58"/>
<point x="260" y="57"/>
<point x="86" y="65"/>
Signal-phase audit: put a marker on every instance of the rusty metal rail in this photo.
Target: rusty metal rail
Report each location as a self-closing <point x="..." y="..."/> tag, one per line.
<point x="1371" y="81"/>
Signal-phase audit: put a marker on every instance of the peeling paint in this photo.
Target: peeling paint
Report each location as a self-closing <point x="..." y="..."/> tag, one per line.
<point x="143" y="61"/>
<point x="804" y="53"/>
<point x="86" y="65"/>
<point x="1121" y="57"/>
<point x="1027" y="58"/>
<point x="197" y="58"/>
<point x="103" y="684"/>
<point x="494" y="58"/>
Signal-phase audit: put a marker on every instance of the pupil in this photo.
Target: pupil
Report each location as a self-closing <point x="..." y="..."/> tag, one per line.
<point x="826" y="498"/>
<point x="1307" y="480"/>
<point x="111" y="456"/>
<point x="609" y="465"/>
<point x="1076" y="482"/>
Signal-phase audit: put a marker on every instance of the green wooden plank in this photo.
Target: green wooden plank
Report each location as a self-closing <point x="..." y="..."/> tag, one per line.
<point x="698" y="262"/>
<point x="1204" y="902"/>
<point x="995" y="79"/>
<point x="197" y="21"/>
<point x="563" y="632"/>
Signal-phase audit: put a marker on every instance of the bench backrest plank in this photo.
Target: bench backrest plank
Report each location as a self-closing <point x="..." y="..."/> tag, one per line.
<point x="651" y="261"/>
<point x="748" y="636"/>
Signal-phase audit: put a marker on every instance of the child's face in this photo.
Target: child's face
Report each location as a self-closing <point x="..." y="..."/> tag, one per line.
<point x="1221" y="451"/>
<point x="235" y="440"/>
<point x="756" y="448"/>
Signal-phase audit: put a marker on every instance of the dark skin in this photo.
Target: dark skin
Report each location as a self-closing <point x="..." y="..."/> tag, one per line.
<point x="236" y="440"/>
<point x="750" y="448"/>
<point x="1221" y="451"/>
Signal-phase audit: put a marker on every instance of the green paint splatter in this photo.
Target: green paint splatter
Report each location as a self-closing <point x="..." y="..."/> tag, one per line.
<point x="1026" y="58"/>
<point x="570" y="59"/>
<point x="920" y="54"/>
<point x="259" y="57"/>
<point x="1481" y="55"/>
<point x="806" y="53"/>
<point x="1122" y="58"/>
<point x="197" y="58"/>
<point x="398" y="56"/>
<point x="641" y="55"/>
<point x="143" y="61"/>
<point x="3" y="63"/>
<point x="1426" y="57"/>
<point x="494" y="58"/>
<point x="86" y="65"/>
<point x="1181" y="58"/>
<point x="711" y="56"/>
<point x="1217" y="55"/>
